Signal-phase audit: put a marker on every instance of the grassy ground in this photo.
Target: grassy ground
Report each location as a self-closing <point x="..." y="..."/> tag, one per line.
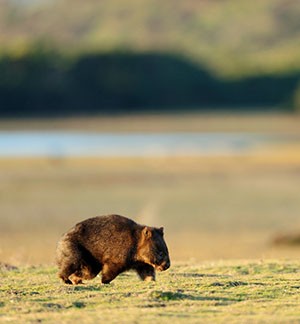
<point x="217" y="292"/>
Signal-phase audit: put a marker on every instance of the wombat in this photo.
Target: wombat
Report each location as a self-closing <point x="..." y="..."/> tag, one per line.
<point x="111" y="244"/>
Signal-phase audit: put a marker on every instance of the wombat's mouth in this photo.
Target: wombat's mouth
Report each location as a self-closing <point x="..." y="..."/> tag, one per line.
<point x="162" y="267"/>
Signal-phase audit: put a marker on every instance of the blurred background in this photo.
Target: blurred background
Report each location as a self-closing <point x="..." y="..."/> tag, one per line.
<point x="182" y="114"/>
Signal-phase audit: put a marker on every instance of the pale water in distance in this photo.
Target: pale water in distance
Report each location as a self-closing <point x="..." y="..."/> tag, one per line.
<point x="77" y="144"/>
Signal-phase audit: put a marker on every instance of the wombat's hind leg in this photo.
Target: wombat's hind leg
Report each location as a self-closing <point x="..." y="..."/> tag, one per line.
<point x="66" y="280"/>
<point x="109" y="272"/>
<point x="89" y="272"/>
<point x="146" y="272"/>
<point x="90" y="267"/>
<point x="68" y="272"/>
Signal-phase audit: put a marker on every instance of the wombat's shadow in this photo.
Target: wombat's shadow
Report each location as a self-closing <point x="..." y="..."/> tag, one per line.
<point x="98" y="287"/>
<point x="85" y="287"/>
<point x="200" y="275"/>
<point x="221" y="300"/>
<point x="163" y="296"/>
<point x="180" y="295"/>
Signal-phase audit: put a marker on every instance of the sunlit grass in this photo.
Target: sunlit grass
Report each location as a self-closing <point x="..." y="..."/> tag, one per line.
<point x="209" y="292"/>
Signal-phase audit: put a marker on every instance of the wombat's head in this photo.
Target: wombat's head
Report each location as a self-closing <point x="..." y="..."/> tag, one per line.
<point x="152" y="248"/>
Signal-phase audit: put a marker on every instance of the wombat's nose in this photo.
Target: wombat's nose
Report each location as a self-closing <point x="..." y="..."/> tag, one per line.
<point x="167" y="265"/>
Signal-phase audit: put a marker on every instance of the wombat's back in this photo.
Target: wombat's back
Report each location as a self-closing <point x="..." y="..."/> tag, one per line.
<point x="104" y="223"/>
<point x="105" y="234"/>
<point x="104" y="227"/>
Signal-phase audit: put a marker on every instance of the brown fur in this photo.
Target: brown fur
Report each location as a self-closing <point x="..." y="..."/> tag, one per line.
<point x="111" y="244"/>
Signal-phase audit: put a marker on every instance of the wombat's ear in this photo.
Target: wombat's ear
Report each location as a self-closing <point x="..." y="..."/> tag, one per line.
<point x="161" y="229"/>
<point x="147" y="232"/>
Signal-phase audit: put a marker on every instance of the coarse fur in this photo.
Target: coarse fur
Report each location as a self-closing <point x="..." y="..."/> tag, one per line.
<point x="111" y="244"/>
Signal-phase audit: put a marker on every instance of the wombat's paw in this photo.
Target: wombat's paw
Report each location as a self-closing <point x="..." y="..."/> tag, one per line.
<point x="149" y="279"/>
<point x="75" y="279"/>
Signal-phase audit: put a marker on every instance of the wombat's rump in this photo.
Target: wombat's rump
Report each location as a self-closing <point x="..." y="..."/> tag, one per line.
<point x="111" y="244"/>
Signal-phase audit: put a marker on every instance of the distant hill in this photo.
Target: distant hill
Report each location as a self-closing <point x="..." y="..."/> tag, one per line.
<point x="231" y="37"/>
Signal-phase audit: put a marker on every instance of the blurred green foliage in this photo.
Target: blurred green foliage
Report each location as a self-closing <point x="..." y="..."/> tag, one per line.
<point x="232" y="37"/>
<point x="296" y="99"/>
<point x="48" y="84"/>
<point x="99" y="55"/>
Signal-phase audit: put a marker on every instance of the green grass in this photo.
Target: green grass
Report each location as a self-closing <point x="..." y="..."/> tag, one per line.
<point x="218" y="292"/>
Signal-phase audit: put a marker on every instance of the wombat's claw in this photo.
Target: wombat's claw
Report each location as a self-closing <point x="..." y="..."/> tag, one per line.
<point x="67" y="281"/>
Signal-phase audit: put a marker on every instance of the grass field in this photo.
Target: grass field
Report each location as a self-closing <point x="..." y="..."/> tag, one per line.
<point x="213" y="292"/>
<point x="220" y="214"/>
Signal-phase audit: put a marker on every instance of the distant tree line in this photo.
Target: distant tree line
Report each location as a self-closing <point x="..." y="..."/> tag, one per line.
<point x="48" y="84"/>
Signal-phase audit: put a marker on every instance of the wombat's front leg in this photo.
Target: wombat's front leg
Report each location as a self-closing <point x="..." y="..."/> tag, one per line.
<point x="75" y="279"/>
<point x="109" y="272"/>
<point x="146" y="272"/>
